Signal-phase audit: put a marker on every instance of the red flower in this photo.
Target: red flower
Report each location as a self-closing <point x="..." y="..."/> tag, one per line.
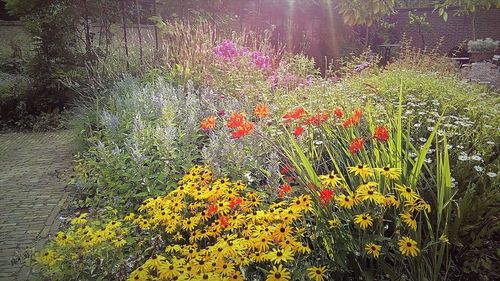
<point x="356" y="145"/>
<point x="235" y="120"/>
<point x="381" y="133"/>
<point x="326" y="196"/>
<point x="212" y="210"/>
<point x="283" y="189"/>
<point x="235" y="202"/>
<point x="338" y="112"/>
<point x="245" y="129"/>
<point x="261" y="111"/>
<point x="224" y="221"/>
<point x="298" y="131"/>
<point x="295" y="114"/>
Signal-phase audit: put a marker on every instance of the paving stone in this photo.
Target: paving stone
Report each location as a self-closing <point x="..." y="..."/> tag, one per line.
<point x="32" y="184"/>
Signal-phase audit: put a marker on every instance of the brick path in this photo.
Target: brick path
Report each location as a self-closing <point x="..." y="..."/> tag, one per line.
<point x="32" y="193"/>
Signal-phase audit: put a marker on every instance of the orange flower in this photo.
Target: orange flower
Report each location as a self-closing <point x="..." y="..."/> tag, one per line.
<point x="355" y="118"/>
<point x="381" y="133"/>
<point x="235" y="201"/>
<point x="236" y="120"/>
<point x="298" y="131"/>
<point x="208" y="123"/>
<point x="224" y="221"/>
<point x="242" y="130"/>
<point x="338" y="112"/>
<point x="212" y="209"/>
<point x="356" y="145"/>
<point x="261" y="111"/>
<point x="318" y="118"/>
<point x="295" y="114"/>
<point x="284" y="188"/>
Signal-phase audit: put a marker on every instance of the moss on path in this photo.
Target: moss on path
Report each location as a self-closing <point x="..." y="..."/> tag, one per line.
<point x="32" y="193"/>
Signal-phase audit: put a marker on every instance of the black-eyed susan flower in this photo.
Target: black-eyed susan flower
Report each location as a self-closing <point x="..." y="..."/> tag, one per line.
<point x="391" y="200"/>
<point x="140" y="274"/>
<point x="345" y="201"/>
<point x="409" y="220"/>
<point x="363" y="220"/>
<point x="373" y="249"/>
<point x="417" y="205"/>
<point x="154" y="262"/>
<point x="81" y="219"/>
<point x="317" y="273"/>
<point x="334" y="223"/>
<point x="236" y="276"/>
<point x="362" y="170"/>
<point x="407" y="192"/>
<point x="278" y="274"/>
<point x="408" y="246"/>
<point x="168" y="271"/>
<point x="389" y="172"/>
<point x="369" y="192"/>
<point x="330" y="179"/>
<point x="280" y="255"/>
<point x="281" y="232"/>
<point x="119" y="242"/>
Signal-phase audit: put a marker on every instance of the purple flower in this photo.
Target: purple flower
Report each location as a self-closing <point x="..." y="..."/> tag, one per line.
<point x="260" y="60"/>
<point x="226" y="50"/>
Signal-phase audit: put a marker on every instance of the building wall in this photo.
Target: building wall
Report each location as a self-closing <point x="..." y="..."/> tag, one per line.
<point x="454" y="31"/>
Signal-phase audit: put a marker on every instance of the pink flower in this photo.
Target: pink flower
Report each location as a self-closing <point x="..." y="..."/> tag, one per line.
<point x="260" y="60"/>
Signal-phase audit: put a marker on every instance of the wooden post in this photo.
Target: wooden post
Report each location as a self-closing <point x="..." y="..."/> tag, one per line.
<point x="157" y="47"/>
<point x="124" y="21"/>
<point x="138" y="12"/>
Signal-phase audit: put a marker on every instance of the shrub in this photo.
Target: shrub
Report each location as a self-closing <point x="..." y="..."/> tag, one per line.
<point x="482" y="45"/>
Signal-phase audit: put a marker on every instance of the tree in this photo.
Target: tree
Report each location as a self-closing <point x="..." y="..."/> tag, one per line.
<point x="365" y="12"/>
<point x="466" y="7"/>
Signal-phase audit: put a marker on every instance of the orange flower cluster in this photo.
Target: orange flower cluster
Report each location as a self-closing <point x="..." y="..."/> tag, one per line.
<point x="354" y="119"/>
<point x="356" y="145"/>
<point x="208" y="123"/>
<point x="242" y="127"/>
<point x="381" y="133"/>
<point x="261" y="111"/>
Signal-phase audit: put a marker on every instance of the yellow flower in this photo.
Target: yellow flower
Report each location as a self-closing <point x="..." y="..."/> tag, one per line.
<point x="119" y="242"/>
<point x="363" y="170"/>
<point x="409" y="220"/>
<point x="281" y="232"/>
<point x="278" y="274"/>
<point x="364" y="220"/>
<point x="391" y="200"/>
<point x="408" y="246"/>
<point x="406" y="192"/>
<point x="418" y="205"/>
<point x="390" y="173"/>
<point x="280" y="255"/>
<point x="335" y="222"/>
<point x="331" y="179"/>
<point x="80" y="219"/>
<point x="154" y="262"/>
<point x="369" y="192"/>
<point x="236" y="276"/>
<point x="48" y="258"/>
<point x="345" y="201"/>
<point x="317" y="273"/>
<point x="140" y="274"/>
<point x="168" y="271"/>
<point x="373" y="249"/>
